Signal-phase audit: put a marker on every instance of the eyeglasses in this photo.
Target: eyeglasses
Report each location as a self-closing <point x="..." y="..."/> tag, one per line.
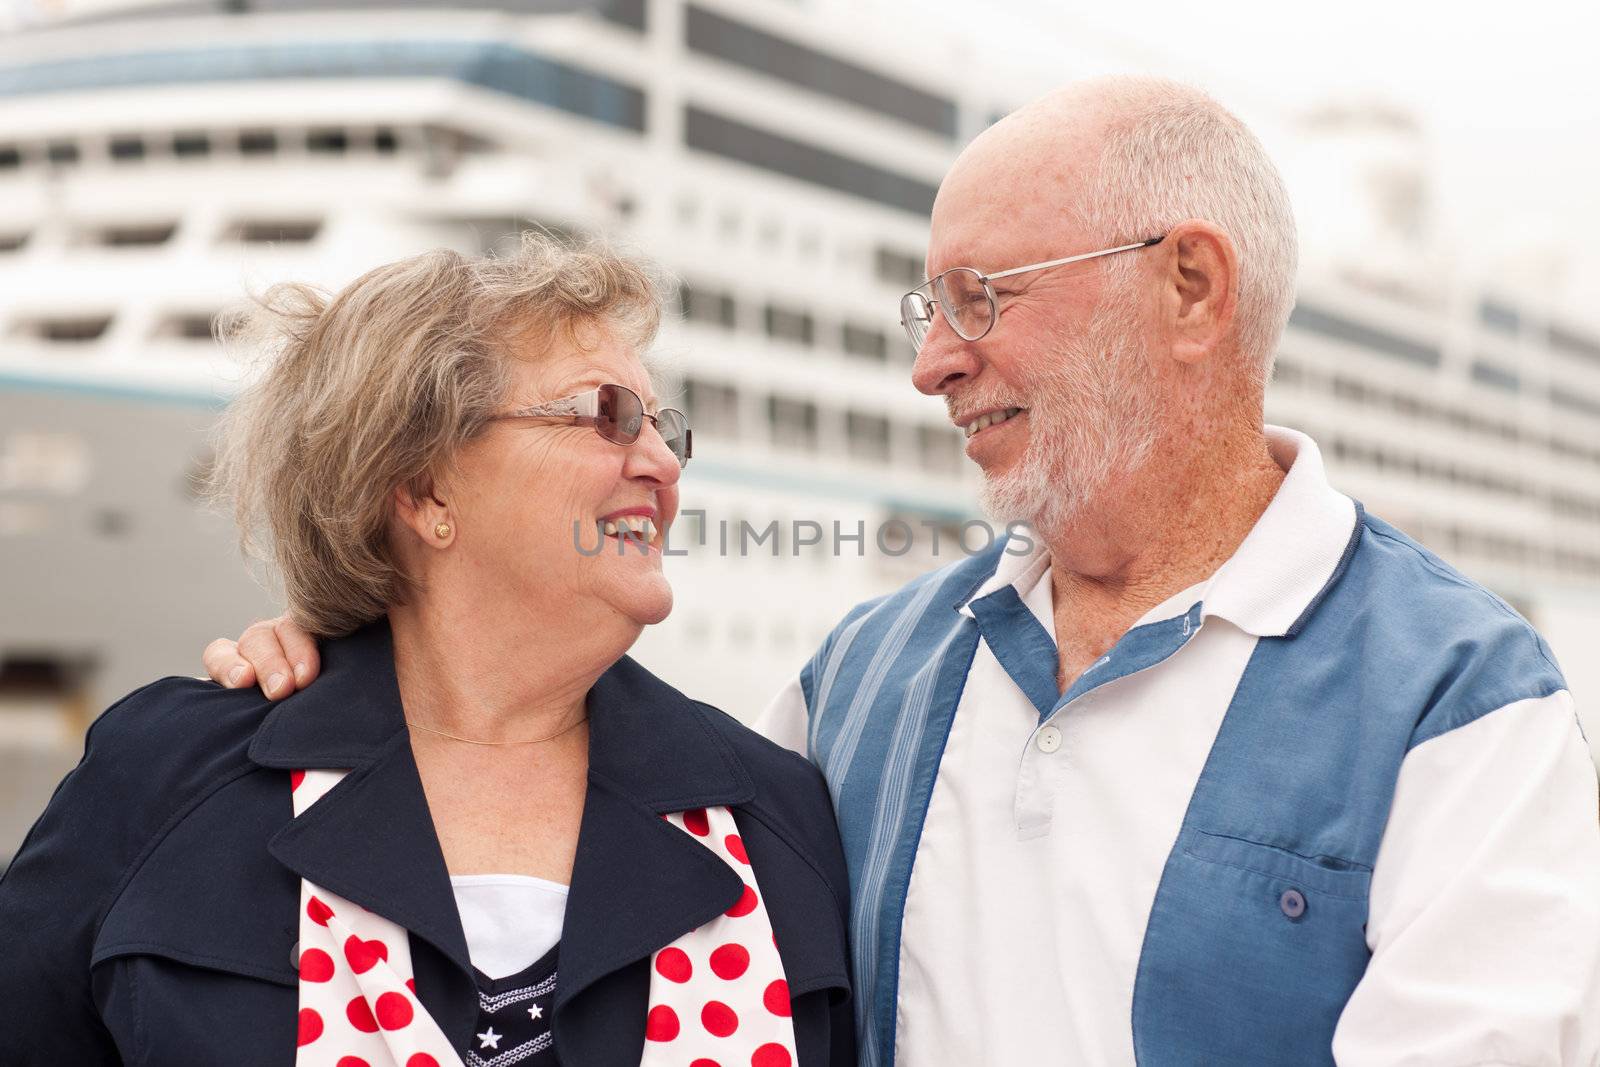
<point x="967" y="301"/>
<point x="617" y="414"/>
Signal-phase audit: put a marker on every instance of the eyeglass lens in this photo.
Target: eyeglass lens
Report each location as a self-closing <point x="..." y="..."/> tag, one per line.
<point x="622" y="417"/>
<point x="966" y="302"/>
<point x="963" y="299"/>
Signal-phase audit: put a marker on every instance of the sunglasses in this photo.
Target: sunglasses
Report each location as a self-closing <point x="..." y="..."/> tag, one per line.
<point x="618" y="415"/>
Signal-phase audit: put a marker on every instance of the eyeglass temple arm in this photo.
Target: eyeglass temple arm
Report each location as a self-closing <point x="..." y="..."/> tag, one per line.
<point x="584" y="405"/>
<point x="1146" y="243"/>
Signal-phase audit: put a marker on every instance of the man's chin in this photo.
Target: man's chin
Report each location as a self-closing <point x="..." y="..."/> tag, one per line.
<point x="1012" y="497"/>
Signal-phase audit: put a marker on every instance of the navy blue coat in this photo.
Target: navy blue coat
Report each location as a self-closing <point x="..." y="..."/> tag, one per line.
<point x="151" y="914"/>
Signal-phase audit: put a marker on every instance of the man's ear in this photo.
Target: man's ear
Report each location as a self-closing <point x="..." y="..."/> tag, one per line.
<point x="418" y="508"/>
<point x="1200" y="289"/>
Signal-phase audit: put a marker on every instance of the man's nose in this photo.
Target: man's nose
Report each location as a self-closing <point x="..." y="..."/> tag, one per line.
<point x="943" y="360"/>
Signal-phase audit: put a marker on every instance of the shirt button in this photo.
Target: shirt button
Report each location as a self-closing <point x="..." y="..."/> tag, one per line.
<point x="1048" y="739"/>
<point x="294" y="956"/>
<point x="1293" y="903"/>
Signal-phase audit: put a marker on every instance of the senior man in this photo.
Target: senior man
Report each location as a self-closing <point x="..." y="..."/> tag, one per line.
<point x="1213" y="767"/>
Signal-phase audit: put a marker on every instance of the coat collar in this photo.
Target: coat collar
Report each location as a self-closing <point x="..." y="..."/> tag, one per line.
<point x="645" y="737"/>
<point x="638" y="883"/>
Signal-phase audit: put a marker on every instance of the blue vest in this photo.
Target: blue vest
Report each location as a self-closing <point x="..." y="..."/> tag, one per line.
<point x="1257" y="937"/>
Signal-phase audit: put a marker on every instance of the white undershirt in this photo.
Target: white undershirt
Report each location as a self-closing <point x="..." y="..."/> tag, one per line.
<point x="510" y="919"/>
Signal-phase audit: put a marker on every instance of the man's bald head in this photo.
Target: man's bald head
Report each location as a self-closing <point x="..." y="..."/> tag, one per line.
<point x="1108" y="161"/>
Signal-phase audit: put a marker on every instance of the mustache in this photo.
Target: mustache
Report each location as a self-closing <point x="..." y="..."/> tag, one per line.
<point x="979" y="402"/>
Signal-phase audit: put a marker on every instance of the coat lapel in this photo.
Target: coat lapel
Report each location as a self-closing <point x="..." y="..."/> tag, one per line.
<point x="638" y="882"/>
<point x="371" y="838"/>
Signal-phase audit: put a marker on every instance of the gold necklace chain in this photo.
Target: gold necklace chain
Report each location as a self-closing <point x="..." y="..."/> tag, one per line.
<point x="471" y="741"/>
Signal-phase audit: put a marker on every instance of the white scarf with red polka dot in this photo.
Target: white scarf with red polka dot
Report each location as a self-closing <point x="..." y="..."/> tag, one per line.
<point x="718" y="997"/>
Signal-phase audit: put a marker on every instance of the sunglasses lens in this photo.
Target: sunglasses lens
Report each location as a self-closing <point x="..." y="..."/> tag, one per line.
<point x="621" y="414"/>
<point x="674" y="427"/>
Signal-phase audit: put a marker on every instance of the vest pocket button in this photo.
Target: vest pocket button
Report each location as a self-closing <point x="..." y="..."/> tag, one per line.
<point x="1293" y="903"/>
<point x="294" y="956"/>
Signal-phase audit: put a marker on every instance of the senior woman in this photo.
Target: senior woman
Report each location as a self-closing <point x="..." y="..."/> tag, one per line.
<point x="485" y="836"/>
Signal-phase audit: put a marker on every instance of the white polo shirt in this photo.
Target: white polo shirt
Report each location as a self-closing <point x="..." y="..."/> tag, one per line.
<point x="1044" y="843"/>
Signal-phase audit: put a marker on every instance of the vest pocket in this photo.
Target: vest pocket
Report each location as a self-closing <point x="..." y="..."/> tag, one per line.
<point x="1250" y="954"/>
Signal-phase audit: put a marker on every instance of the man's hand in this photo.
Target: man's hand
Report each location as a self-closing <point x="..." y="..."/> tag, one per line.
<point x="274" y="652"/>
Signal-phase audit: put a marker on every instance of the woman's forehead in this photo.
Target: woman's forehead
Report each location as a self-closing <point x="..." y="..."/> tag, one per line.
<point x="563" y="373"/>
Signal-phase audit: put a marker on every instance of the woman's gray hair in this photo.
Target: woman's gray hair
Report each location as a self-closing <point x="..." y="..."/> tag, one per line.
<point x="1173" y="153"/>
<point x="378" y="386"/>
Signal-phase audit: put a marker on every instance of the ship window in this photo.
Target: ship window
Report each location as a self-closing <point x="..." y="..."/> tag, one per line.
<point x="258" y="142"/>
<point x="1363" y="335"/>
<point x="385" y="141"/>
<point x="191" y="144"/>
<point x="1569" y="341"/>
<point x="61" y="152"/>
<point x="1499" y="377"/>
<point x="899" y="269"/>
<point x="786" y="324"/>
<point x="775" y="57"/>
<point x="706" y="131"/>
<point x="11" y="242"/>
<point x="793" y="422"/>
<point x="135" y="235"/>
<point x="704" y="305"/>
<point x="127" y="148"/>
<point x="864" y="341"/>
<point x="328" y="142"/>
<point x="1287" y="372"/>
<point x="712" y="408"/>
<point x="275" y="231"/>
<point x="189" y="326"/>
<point x="1573" y="401"/>
<point x="1498" y="316"/>
<point x="10" y="156"/>
<point x="67" y="329"/>
<point x="867" y="435"/>
<point x="941" y="447"/>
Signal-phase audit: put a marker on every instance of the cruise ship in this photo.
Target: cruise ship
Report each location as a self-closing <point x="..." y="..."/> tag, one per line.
<point x="162" y="159"/>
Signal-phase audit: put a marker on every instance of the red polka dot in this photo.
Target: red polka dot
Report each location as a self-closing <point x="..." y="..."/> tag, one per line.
<point x="736" y="848"/>
<point x="776" y="998"/>
<point x="360" y="1015"/>
<point x="673" y="965"/>
<point x="318" y="911"/>
<point x="696" y="823"/>
<point x="661" y="1024"/>
<point x="295" y="778"/>
<point x="364" y="955"/>
<point x="315" y="965"/>
<point x="422" y="1059"/>
<point x="352" y="1061"/>
<point x="393" y="1011"/>
<point x="770" y="1055"/>
<point x="310" y="1026"/>
<point x="411" y="984"/>
<point x="703" y="1062"/>
<point x="745" y="905"/>
<point x="730" y="961"/>
<point x="718" y="1018"/>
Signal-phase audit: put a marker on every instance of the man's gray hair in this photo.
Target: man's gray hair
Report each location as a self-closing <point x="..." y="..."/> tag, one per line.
<point x="1171" y="153"/>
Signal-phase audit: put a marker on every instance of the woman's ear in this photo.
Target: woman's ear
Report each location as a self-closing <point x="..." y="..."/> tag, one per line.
<point x="419" y="509"/>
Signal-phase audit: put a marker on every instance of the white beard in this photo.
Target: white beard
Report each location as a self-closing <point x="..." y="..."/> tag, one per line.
<point x="1092" y="415"/>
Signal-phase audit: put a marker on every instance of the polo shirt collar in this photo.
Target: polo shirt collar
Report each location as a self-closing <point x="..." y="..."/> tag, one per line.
<point x="1276" y="576"/>
<point x="1295" y="550"/>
